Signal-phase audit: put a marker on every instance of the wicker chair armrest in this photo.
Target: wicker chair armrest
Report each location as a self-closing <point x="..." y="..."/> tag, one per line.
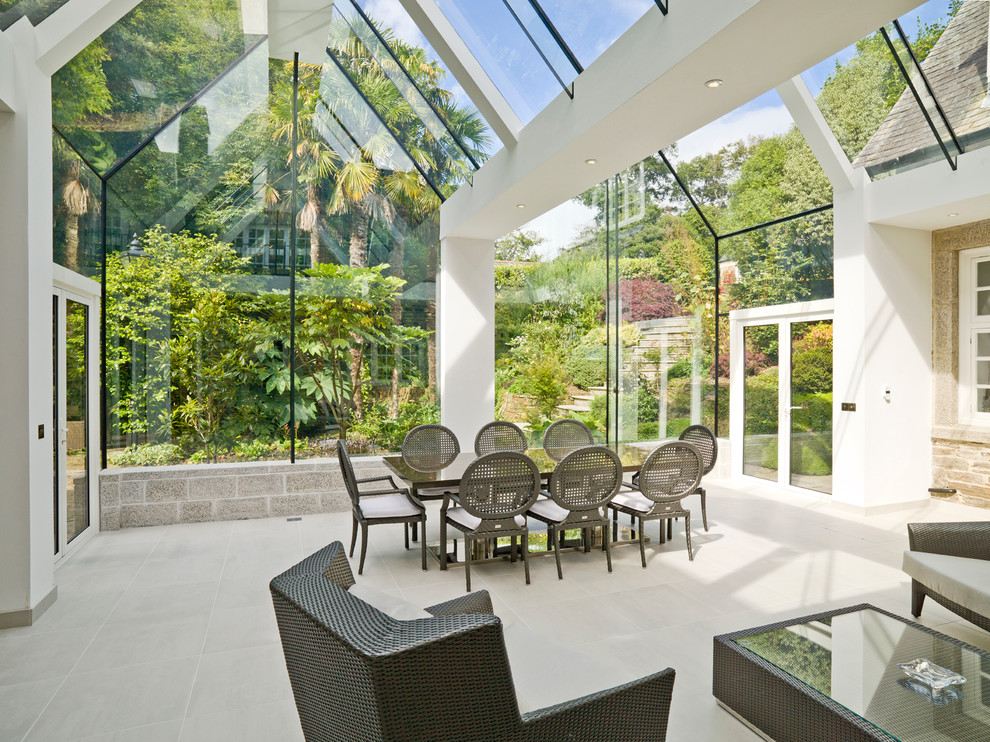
<point x="384" y="478"/>
<point x="476" y="602"/>
<point x="638" y="710"/>
<point x="970" y="540"/>
<point x="394" y="491"/>
<point x="330" y="561"/>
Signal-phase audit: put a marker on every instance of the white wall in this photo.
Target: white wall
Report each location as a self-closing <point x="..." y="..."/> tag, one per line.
<point x="466" y="334"/>
<point x="26" y="512"/>
<point x="883" y="337"/>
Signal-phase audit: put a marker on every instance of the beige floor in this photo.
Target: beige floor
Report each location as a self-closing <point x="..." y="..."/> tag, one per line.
<point x="168" y="633"/>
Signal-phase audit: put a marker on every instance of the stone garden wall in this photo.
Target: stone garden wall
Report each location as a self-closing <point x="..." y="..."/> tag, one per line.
<point x="155" y="496"/>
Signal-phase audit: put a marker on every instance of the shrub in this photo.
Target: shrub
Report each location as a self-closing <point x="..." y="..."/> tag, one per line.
<point x="648" y="431"/>
<point x="586" y="366"/>
<point x="148" y="454"/>
<point x="812" y="371"/>
<point x="762" y="403"/>
<point x="677" y="426"/>
<point x="379" y="430"/>
<point x="679" y="369"/>
<point x="543" y="381"/>
<point x="645" y="299"/>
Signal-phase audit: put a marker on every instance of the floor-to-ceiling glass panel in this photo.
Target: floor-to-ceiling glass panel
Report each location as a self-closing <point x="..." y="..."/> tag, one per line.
<point x="76" y="228"/>
<point x="551" y="326"/>
<point x="761" y="401"/>
<point x="77" y="453"/>
<point x="811" y="405"/>
<point x="35" y="10"/>
<point x="56" y="414"/>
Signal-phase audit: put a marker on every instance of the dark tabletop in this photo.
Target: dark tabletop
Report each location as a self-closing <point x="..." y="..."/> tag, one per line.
<point x="632" y="456"/>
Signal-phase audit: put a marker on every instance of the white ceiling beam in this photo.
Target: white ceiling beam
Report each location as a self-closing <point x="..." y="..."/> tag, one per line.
<point x="7" y="88"/>
<point x="73" y="27"/>
<point x="648" y="90"/>
<point x="818" y="134"/>
<point x="465" y="68"/>
<point x="301" y="26"/>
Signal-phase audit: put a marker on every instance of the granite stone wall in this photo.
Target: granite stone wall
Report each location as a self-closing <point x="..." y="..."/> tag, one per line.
<point x="155" y="496"/>
<point x="960" y="453"/>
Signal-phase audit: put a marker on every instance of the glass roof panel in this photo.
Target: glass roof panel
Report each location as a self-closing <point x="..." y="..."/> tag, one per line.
<point x="864" y="97"/>
<point x="521" y="66"/>
<point x="374" y="62"/>
<point x="390" y="14"/>
<point x="591" y="26"/>
<point x="12" y="11"/>
<point x="750" y="166"/>
<point x="125" y="85"/>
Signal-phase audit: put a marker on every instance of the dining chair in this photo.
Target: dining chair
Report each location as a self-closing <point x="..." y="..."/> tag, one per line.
<point x="500" y="436"/>
<point x="495" y="492"/>
<point x="564" y="436"/>
<point x="373" y="507"/>
<point x="668" y="475"/>
<point x="580" y="488"/>
<point x="704" y="440"/>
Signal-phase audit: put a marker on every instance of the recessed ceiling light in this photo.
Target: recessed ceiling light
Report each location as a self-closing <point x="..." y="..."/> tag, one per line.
<point x="591" y="161"/>
<point x="520" y="206"/>
<point x="714" y="83"/>
<point x="954" y="213"/>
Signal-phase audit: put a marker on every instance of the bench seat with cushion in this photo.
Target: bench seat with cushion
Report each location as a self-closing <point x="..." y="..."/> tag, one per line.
<point x="366" y="665"/>
<point x="950" y="562"/>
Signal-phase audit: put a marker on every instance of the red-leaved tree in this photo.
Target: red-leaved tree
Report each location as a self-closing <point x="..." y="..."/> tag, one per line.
<point x="643" y="298"/>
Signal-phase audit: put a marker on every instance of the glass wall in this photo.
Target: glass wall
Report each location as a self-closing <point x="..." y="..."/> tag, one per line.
<point x="270" y="278"/>
<point x="36" y="11"/>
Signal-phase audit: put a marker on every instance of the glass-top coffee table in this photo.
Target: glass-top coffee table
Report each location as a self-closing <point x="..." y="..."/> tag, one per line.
<point x="835" y="676"/>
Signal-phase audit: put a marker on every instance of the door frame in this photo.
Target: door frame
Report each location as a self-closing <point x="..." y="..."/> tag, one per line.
<point x="69" y="285"/>
<point x="784" y="316"/>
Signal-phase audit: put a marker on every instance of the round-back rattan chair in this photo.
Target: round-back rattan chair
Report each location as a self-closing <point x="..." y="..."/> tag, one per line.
<point x="387" y="503"/>
<point x="704" y="440"/>
<point x="494" y="494"/>
<point x="668" y="475"/>
<point x="564" y="436"/>
<point x="500" y="436"/>
<point x="581" y="485"/>
<point x="430" y="447"/>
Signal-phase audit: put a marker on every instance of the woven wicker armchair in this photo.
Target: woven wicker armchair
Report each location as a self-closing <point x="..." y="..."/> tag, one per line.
<point x="668" y="475"/>
<point x="358" y="675"/>
<point x="500" y="436"/>
<point x="391" y="504"/>
<point x="496" y="490"/>
<point x="564" y="436"/>
<point x="582" y="484"/>
<point x="958" y="577"/>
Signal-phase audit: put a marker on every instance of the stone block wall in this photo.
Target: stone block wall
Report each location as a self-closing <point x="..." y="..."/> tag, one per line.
<point x="155" y="496"/>
<point x="960" y="453"/>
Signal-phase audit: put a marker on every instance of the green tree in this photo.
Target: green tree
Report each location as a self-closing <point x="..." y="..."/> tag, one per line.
<point x="519" y="245"/>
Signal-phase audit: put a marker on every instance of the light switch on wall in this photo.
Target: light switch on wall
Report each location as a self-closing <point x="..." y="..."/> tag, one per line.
<point x="886" y="394"/>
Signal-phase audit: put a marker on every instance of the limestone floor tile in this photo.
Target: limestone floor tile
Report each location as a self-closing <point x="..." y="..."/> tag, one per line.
<point x="270" y="722"/>
<point x="577" y="620"/>
<point x="240" y="678"/>
<point x="77" y="610"/>
<point x="114" y="700"/>
<point x="240" y="628"/>
<point x="166" y="732"/>
<point x="657" y="606"/>
<point x="188" y="546"/>
<point x="21" y="704"/>
<point x="242" y="592"/>
<point x="137" y="641"/>
<point x="31" y="656"/>
<point x="182" y="570"/>
<point x="157" y="603"/>
<point x="73" y="579"/>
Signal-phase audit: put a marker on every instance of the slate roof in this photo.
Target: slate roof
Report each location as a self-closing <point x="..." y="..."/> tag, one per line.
<point x="956" y="67"/>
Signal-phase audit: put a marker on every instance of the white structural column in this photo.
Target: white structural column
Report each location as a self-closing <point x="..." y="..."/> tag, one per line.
<point x="883" y="342"/>
<point x="26" y="511"/>
<point x="466" y="335"/>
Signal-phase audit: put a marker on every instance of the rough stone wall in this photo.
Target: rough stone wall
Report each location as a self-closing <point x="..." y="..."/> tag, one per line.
<point x="155" y="496"/>
<point x="960" y="453"/>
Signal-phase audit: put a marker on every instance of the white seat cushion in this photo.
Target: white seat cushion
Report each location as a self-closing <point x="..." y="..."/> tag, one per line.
<point x="530" y="654"/>
<point x="961" y="580"/>
<point x="545" y="508"/>
<point x="462" y="517"/>
<point x="633" y="501"/>
<point x="388" y="506"/>
<point x="390" y="605"/>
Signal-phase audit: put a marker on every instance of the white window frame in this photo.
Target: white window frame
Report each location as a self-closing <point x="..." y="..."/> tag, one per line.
<point x="969" y="325"/>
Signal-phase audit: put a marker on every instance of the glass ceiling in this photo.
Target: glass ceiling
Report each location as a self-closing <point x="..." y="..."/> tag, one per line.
<point x="12" y="11"/>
